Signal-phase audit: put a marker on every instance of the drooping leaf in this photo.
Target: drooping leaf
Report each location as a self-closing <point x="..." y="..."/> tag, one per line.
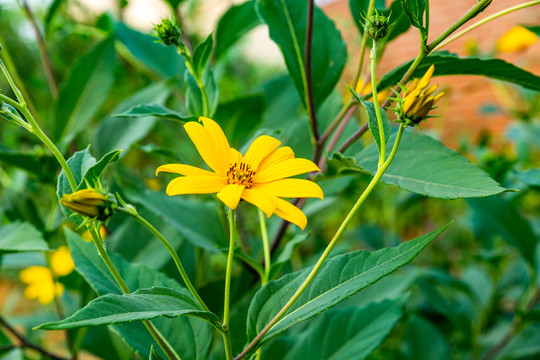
<point x="197" y="335"/>
<point x="121" y="133"/>
<point x="144" y="110"/>
<point x="143" y="304"/>
<point x="157" y="58"/>
<point x="19" y="236"/>
<point x="197" y="221"/>
<point x="239" y="117"/>
<point x="338" y="278"/>
<point x="201" y="54"/>
<point x="286" y="20"/>
<point x="84" y="90"/>
<point x="451" y="64"/>
<point x="372" y="119"/>
<point x="425" y="166"/>
<point x="495" y="217"/>
<point x="347" y="333"/>
<point x="235" y="23"/>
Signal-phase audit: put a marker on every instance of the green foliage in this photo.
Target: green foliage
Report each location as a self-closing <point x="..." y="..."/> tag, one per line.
<point x="145" y="110"/>
<point x="19" y="236"/>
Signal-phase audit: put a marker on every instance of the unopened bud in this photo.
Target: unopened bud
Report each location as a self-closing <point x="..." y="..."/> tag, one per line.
<point x="377" y="26"/>
<point x="89" y="203"/>
<point x="168" y="32"/>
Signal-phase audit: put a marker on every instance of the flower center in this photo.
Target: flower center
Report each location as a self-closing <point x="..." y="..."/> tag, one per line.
<point x="240" y="174"/>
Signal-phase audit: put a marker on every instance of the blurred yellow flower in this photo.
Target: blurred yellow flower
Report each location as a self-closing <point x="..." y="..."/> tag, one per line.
<point x="153" y="184"/>
<point x="61" y="261"/>
<point x="40" y="284"/>
<point x="516" y="39"/>
<point x="258" y="177"/>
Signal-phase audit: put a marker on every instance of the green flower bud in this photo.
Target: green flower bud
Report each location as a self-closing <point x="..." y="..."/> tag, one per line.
<point x="90" y="203"/>
<point x="377" y="26"/>
<point x="168" y="32"/>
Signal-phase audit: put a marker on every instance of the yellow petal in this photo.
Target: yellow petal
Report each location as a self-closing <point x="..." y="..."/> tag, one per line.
<point x="236" y="156"/>
<point x="411" y="100"/>
<point x="424" y="82"/>
<point x="260" y="148"/>
<point x="61" y="261"/>
<point x="437" y="97"/>
<point x="277" y="156"/>
<point x="411" y="88"/>
<point x="210" y="143"/>
<point x="183" y="170"/>
<point x="430" y="90"/>
<point x="260" y="199"/>
<point x="196" y="185"/>
<point x="285" y="169"/>
<point x="291" y="213"/>
<point x="231" y="194"/>
<point x="291" y="188"/>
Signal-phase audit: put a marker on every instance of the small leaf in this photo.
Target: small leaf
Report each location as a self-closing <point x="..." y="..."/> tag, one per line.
<point x="372" y="119"/>
<point x="201" y="54"/>
<point x="235" y="23"/>
<point x="451" y="64"/>
<point x="95" y="173"/>
<point x="415" y="11"/>
<point x="339" y="164"/>
<point x="425" y="166"/>
<point x="338" y="278"/>
<point x="143" y="110"/>
<point x="19" y="236"/>
<point x="143" y="304"/>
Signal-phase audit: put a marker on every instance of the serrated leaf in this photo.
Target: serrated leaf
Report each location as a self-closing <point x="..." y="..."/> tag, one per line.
<point x="348" y="333"/>
<point x="338" y="278"/>
<point x="197" y="335"/>
<point x="19" y="236"/>
<point x="372" y="119"/>
<point x="201" y="54"/>
<point x="84" y="90"/>
<point x="338" y="164"/>
<point x="235" y="23"/>
<point x="157" y="110"/>
<point x="143" y="304"/>
<point x="451" y="64"/>
<point x="286" y="20"/>
<point x="425" y="166"/>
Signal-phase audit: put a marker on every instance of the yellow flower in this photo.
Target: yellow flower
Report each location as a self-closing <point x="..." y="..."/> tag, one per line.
<point x="258" y="177"/>
<point x="516" y="39"/>
<point x="418" y="100"/>
<point x="61" y="261"/>
<point x="40" y="283"/>
<point x="85" y="202"/>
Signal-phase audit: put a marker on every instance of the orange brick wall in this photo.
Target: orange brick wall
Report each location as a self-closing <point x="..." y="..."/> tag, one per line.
<point x="461" y="109"/>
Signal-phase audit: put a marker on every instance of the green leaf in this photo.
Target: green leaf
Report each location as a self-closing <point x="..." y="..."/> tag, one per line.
<point x="197" y="221"/>
<point x="174" y="3"/>
<point x="19" y="236"/>
<point x="359" y="10"/>
<point x="530" y="177"/>
<point x="348" y="333"/>
<point x="121" y="133"/>
<point x="36" y="162"/>
<point x="197" y="335"/>
<point x="153" y="56"/>
<point x="534" y="29"/>
<point x="235" y="23"/>
<point x="143" y="304"/>
<point x="154" y="355"/>
<point x="240" y="117"/>
<point x="144" y="110"/>
<point x="451" y="64"/>
<point x="286" y="20"/>
<point x="419" y="349"/>
<point x="399" y="21"/>
<point x="201" y="54"/>
<point x="425" y="166"/>
<point x="9" y="113"/>
<point x="495" y="217"/>
<point x="415" y="10"/>
<point x="339" y="164"/>
<point x="372" y="119"/>
<point x="51" y="13"/>
<point x="338" y="278"/>
<point x="194" y="102"/>
<point x="523" y="345"/>
<point x="95" y="173"/>
<point x="84" y="90"/>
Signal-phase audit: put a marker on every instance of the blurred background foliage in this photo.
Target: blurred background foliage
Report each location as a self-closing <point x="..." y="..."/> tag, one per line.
<point x="465" y="293"/>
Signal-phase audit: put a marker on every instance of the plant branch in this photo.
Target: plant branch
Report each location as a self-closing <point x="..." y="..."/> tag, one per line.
<point x="228" y="274"/>
<point x="26" y="343"/>
<point x="309" y="87"/>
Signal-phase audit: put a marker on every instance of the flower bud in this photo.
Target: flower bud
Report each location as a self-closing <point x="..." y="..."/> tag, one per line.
<point x="168" y="32"/>
<point x="377" y="26"/>
<point x="89" y="203"/>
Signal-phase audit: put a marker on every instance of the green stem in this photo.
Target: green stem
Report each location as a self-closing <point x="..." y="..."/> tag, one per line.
<point x="363" y="46"/>
<point x="158" y="337"/>
<point x="171" y="250"/>
<point x="200" y="83"/>
<point x="373" y="57"/>
<point x="329" y="247"/>
<point x="23" y="108"/>
<point x="475" y="10"/>
<point x="266" y="248"/>
<point x="226" y="306"/>
<point x="484" y="21"/>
